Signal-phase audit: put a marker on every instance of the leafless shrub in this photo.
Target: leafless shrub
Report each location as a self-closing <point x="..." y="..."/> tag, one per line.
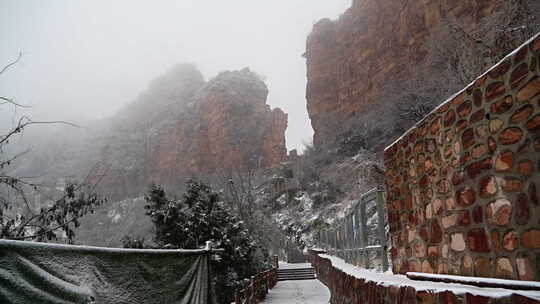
<point x="463" y="54"/>
<point x="18" y="219"/>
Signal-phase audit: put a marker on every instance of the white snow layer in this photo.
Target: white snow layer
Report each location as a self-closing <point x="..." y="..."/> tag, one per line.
<point x="307" y="202"/>
<point x="90" y="249"/>
<point x="514" y="283"/>
<point x="298" y="292"/>
<point x="398" y="280"/>
<point x="283" y="265"/>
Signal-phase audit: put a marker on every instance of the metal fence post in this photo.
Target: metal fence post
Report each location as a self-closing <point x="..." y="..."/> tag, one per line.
<point x="381" y="226"/>
<point x="327" y="240"/>
<point x="346" y="238"/>
<point x="338" y="240"/>
<point x="342" y="238"/>
<point x="334" y="241"/>
<point x="253" y="290"/>
<point x="355" y="234"/>
<point x="363" y="233"/>
<point x="349" y="237"/>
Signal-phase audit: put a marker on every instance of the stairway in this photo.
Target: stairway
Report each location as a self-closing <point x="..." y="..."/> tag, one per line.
<point x="296" y="274"/>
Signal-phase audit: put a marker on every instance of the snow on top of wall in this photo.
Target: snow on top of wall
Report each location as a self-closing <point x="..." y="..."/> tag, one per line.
<point x="476" y="280"/>
<point x="389" y="279"/>
<point x="11" y="244"/>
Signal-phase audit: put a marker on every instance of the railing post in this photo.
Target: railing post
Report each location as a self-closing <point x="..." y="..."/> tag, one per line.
<point x="381" y="226"/>
<point x="332" y="241"/>
<point x="237" y="299"/>
<point x="363" y="232"/>
<point x="345" y="238"/>
<point x="350" y="239"/>
<point x="341" y="238"/>
<point x="266" y="282"/>
<point x="252" y="288"/>
<point x="327" y="245"/>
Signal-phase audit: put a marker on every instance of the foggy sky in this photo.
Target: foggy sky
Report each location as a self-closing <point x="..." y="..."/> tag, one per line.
<point x="85" y="59"/>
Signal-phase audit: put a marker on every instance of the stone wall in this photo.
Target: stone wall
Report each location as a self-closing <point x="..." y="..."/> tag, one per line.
<point x="464" y="184"/>
<point x="349" y="289"/>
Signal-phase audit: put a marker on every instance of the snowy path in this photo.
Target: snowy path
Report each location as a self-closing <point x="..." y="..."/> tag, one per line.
<point x="298" y="292"/>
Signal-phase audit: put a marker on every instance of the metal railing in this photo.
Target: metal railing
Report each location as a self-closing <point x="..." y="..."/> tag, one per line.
<point x="360" y="237"/>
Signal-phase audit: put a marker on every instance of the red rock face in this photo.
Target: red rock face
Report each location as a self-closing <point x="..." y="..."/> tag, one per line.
<point x="201" y="129"/>
<point x="350" y="60"/>
<point x="274" y="148"/>
<point x="230" y="128"/>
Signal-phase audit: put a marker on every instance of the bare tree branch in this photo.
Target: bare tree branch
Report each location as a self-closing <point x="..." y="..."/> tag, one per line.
<point x="7" y="100"/>
<point x="7" y="162"/>
<point x="11" y="64"/>
<point x="75" y="200"/>
<point x="24" y="122"/>
<point x="91" y="188"/>
<point x="64" y="224"/>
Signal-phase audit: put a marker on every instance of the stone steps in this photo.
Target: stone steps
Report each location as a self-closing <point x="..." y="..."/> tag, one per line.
<point x="296" y="274"/>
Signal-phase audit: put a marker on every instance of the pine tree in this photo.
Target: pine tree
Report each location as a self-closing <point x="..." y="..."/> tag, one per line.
<point x="200" y="216"/>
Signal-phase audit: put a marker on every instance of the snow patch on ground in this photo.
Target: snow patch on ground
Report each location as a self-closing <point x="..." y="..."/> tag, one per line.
<point x="398" y="280"/>
<point x="284" y="265"/>
<point x="306" y="201"/>
<point x="282" y="200"/>
<point x="114" y="215"/>
<point x="122" y="207"/>
<point x="298" y="292"/>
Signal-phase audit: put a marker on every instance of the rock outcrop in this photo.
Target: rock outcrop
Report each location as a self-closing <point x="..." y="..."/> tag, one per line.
<point x="350" y="60"/>
<point x="229" y="126"/>
<point x="180" y="127"/>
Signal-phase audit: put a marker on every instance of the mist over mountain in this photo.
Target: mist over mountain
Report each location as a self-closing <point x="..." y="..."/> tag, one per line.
<point x="269" y="127"/>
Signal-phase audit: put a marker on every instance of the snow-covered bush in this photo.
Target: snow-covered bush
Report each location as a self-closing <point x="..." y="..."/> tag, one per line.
<point x="199" y="216"/>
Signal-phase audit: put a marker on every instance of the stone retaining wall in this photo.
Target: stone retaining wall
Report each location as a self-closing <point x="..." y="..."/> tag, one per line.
<point x="464" y="184"/>
<point x="347" y="289"/>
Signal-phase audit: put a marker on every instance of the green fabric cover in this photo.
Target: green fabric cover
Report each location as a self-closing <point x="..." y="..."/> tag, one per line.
<point x="50" y="273"/>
